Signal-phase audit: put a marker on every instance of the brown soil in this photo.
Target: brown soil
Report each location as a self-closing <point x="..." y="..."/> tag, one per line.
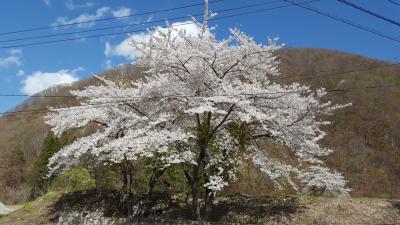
<point x="230" y="209"/>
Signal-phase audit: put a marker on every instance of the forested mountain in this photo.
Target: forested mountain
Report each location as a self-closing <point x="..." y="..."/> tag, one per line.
<point x="365" y="136"/>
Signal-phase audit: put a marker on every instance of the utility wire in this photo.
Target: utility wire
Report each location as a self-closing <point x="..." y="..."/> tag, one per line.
<point x="145" y="30"/>
<point x="393" y="2"/>
<point x="341" y="73"/>
<point x="362" y="88"/>
<point x="387" y="62"/>
<point x="345" y="21"/>
<point x="252" y="95"/>
<point x="105" y="19"/>
<point x="300" y="78"/>
<point x="370" y="12"/>
<point x="138" y="23"/>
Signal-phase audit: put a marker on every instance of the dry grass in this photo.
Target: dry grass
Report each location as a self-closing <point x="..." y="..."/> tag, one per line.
<point x="315" y="211"/>
<point x="32" y="213"/>
<point x="347" y="211"/>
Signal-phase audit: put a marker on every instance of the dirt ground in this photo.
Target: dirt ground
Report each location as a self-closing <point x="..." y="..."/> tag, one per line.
<point x="296" y="210"/>
<point x="348" y="211"/>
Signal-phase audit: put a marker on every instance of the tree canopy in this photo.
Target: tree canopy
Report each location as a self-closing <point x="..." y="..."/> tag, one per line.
<point x="204" y="104"/>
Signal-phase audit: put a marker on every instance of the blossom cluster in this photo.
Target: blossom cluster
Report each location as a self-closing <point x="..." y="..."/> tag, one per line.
<point x="193" y="80"/>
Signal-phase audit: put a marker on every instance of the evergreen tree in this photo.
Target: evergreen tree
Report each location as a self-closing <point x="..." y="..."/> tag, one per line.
<point x="39" y="181"/>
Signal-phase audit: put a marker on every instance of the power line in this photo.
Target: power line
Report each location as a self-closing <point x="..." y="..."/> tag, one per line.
<point x="145" y="30"/>
<point x="137" y="24"/>
<point x="252" y="95"/>
<point x="46" y="110"/>
<point x="362" y="88"/>
<point x="370" y="12"/>
<point x="36" y="96"/>
<point x="370" y="67"/>
<point x="108" y="18"/>
<point x="358" y="64"/>
<point x="345" y="21"/>
<point x="393" y="2"/>
<point x="341" y="73"/>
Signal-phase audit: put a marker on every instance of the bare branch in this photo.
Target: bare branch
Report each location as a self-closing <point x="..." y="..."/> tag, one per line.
<point x="268" y="135"/>
<point x="233" y="66"/>
<point x="100" y="123"/>
<point x="136" y="109"/>
<point x="300" y="118"/>
<point x="230" y="110"/>
<point x="184" y="66"/>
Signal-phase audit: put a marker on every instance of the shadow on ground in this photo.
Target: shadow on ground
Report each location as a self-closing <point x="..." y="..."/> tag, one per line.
<point x="232" y="209"/>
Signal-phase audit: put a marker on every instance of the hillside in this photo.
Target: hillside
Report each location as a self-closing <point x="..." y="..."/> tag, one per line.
<point x="365" y="137"/>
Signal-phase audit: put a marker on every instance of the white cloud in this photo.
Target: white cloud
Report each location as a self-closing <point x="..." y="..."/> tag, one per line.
<point x="108" y="49"/>
<point x="13" y="58"/>
<point x="83" y="18"/>
<point x="79" y="69"/>
<point x="47" y="2"/>
<point x="108" y="64"/>
<point x="121" y="12"/>
<point x="71" y="5"/>
<point x="8" y="61"/>
<point x="126" y="50"/>
<point x="20" y="73"/>
<point x="149" y="19"/>
<point x="191" y="28"/>
<point x="15" y="51"/>
<point x="39" y="81"/>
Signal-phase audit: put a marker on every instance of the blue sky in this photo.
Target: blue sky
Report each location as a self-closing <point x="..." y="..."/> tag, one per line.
<point x="26" y="70"/>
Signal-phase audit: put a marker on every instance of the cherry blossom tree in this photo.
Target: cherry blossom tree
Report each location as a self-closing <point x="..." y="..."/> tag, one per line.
<point x="119" y="120"/>
<point x="204" y="104"/>
<point x="205" y="85"/>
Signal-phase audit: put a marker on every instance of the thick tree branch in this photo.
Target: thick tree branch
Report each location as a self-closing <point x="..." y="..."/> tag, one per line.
<point x="233" y="66"/>
<point x="136" y="109"/>
<point x="198" y="120"/>
<point x="212" y="66"/>
<point x="184" y="66"/>
<point x="230" y="110"/>
<point x="187" y="174"/>
<point x="188" y="60"/>
<point x="300" y="118"/>
<point x="209" y="120"/>
<point x="177" y="75"/>
<point x="261" y="136"/>
<point x="100" y="123"/>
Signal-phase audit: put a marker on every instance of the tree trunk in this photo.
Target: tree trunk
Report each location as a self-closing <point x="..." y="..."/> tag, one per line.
<point x="127" y="171"/>
<point x="152" y="183"/>
<point x="155" y="174"/>
<point x="124" y="177"/>
<point x="209" y="197"/>
<point x="195" y="193"/>
<point x="203" y="137"/>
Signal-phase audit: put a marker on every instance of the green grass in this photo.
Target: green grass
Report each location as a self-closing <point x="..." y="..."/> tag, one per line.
<point x="47" y="199"/>
<point x="28" y="206"/>
<point x="51" y="197"/>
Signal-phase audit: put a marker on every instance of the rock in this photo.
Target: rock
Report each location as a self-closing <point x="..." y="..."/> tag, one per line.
<point x="395" y="204"/>
<point x="4" y="210"/>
